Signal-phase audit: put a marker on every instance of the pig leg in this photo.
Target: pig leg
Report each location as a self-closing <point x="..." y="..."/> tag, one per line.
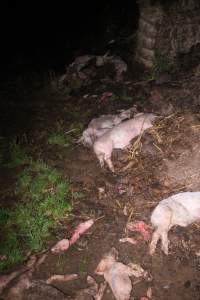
<point x="159" y="234"/>
<point x="110" y="164"/>
<point x="163" y="226"/>
<point x="101" y="159"/>
<point x="165" y="242"/>
<point x="166" y="225"/>
<point x="155" y="238"/>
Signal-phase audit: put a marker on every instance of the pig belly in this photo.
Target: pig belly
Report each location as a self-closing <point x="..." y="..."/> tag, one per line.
<point x="191" y="202"/>
<point x="120" y="145"/>
<point x="186" y="206"/>
<point x="122" y="139"/>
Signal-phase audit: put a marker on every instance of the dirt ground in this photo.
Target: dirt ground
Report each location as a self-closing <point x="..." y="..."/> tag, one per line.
<point x="166" y="162"/>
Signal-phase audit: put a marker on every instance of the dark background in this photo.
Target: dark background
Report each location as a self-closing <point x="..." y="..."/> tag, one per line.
<point x="51" y="34"/>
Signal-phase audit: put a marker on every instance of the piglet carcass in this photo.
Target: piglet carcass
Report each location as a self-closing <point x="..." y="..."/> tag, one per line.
<point x="117" y="274"/>
<point x="98" y="126"/>
<point x="181" y="209"/>
<point x="120" y="136"/>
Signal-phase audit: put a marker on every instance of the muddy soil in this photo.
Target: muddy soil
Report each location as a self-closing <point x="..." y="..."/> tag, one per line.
<point x="167" y="161"/>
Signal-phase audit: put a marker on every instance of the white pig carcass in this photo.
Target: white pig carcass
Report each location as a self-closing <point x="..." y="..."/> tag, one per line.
<point x="120" y="136"/>
<point x="181" y="209"/>
<point x="98" y="126"/>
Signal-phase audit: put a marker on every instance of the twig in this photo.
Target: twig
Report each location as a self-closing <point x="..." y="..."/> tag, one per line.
<point x="158" y="148"/>
<point x="73" y="129"/>
<point x="99" y="218"/>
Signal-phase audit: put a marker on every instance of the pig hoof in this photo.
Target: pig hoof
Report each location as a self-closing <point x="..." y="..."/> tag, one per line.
<point x="165" y="250"/>
<point x="151" y="251"/>
<point x="102" y="165"/>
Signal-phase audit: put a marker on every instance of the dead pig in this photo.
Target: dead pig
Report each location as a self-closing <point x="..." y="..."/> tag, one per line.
<point x="98" y="126"/>
<point x="117" y="274"/>
<point x="181" y="209"/>
<point x="120" y="136"/>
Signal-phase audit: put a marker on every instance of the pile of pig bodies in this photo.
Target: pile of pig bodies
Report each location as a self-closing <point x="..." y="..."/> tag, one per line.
<point x="98" y="126"/>
<point x="111" y="132"/>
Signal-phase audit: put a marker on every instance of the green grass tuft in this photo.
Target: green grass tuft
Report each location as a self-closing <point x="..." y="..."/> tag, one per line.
<point x="43" y="198"/>
<point x="162" y="64"/>
<point x="17" y="155"/>
<point x="58" y="139"/>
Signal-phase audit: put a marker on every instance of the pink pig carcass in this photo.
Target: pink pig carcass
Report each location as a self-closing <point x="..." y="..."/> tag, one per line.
<point x="181" y="209"/>
<point x="99" y="126"/>
<point x="120" y="136"/>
